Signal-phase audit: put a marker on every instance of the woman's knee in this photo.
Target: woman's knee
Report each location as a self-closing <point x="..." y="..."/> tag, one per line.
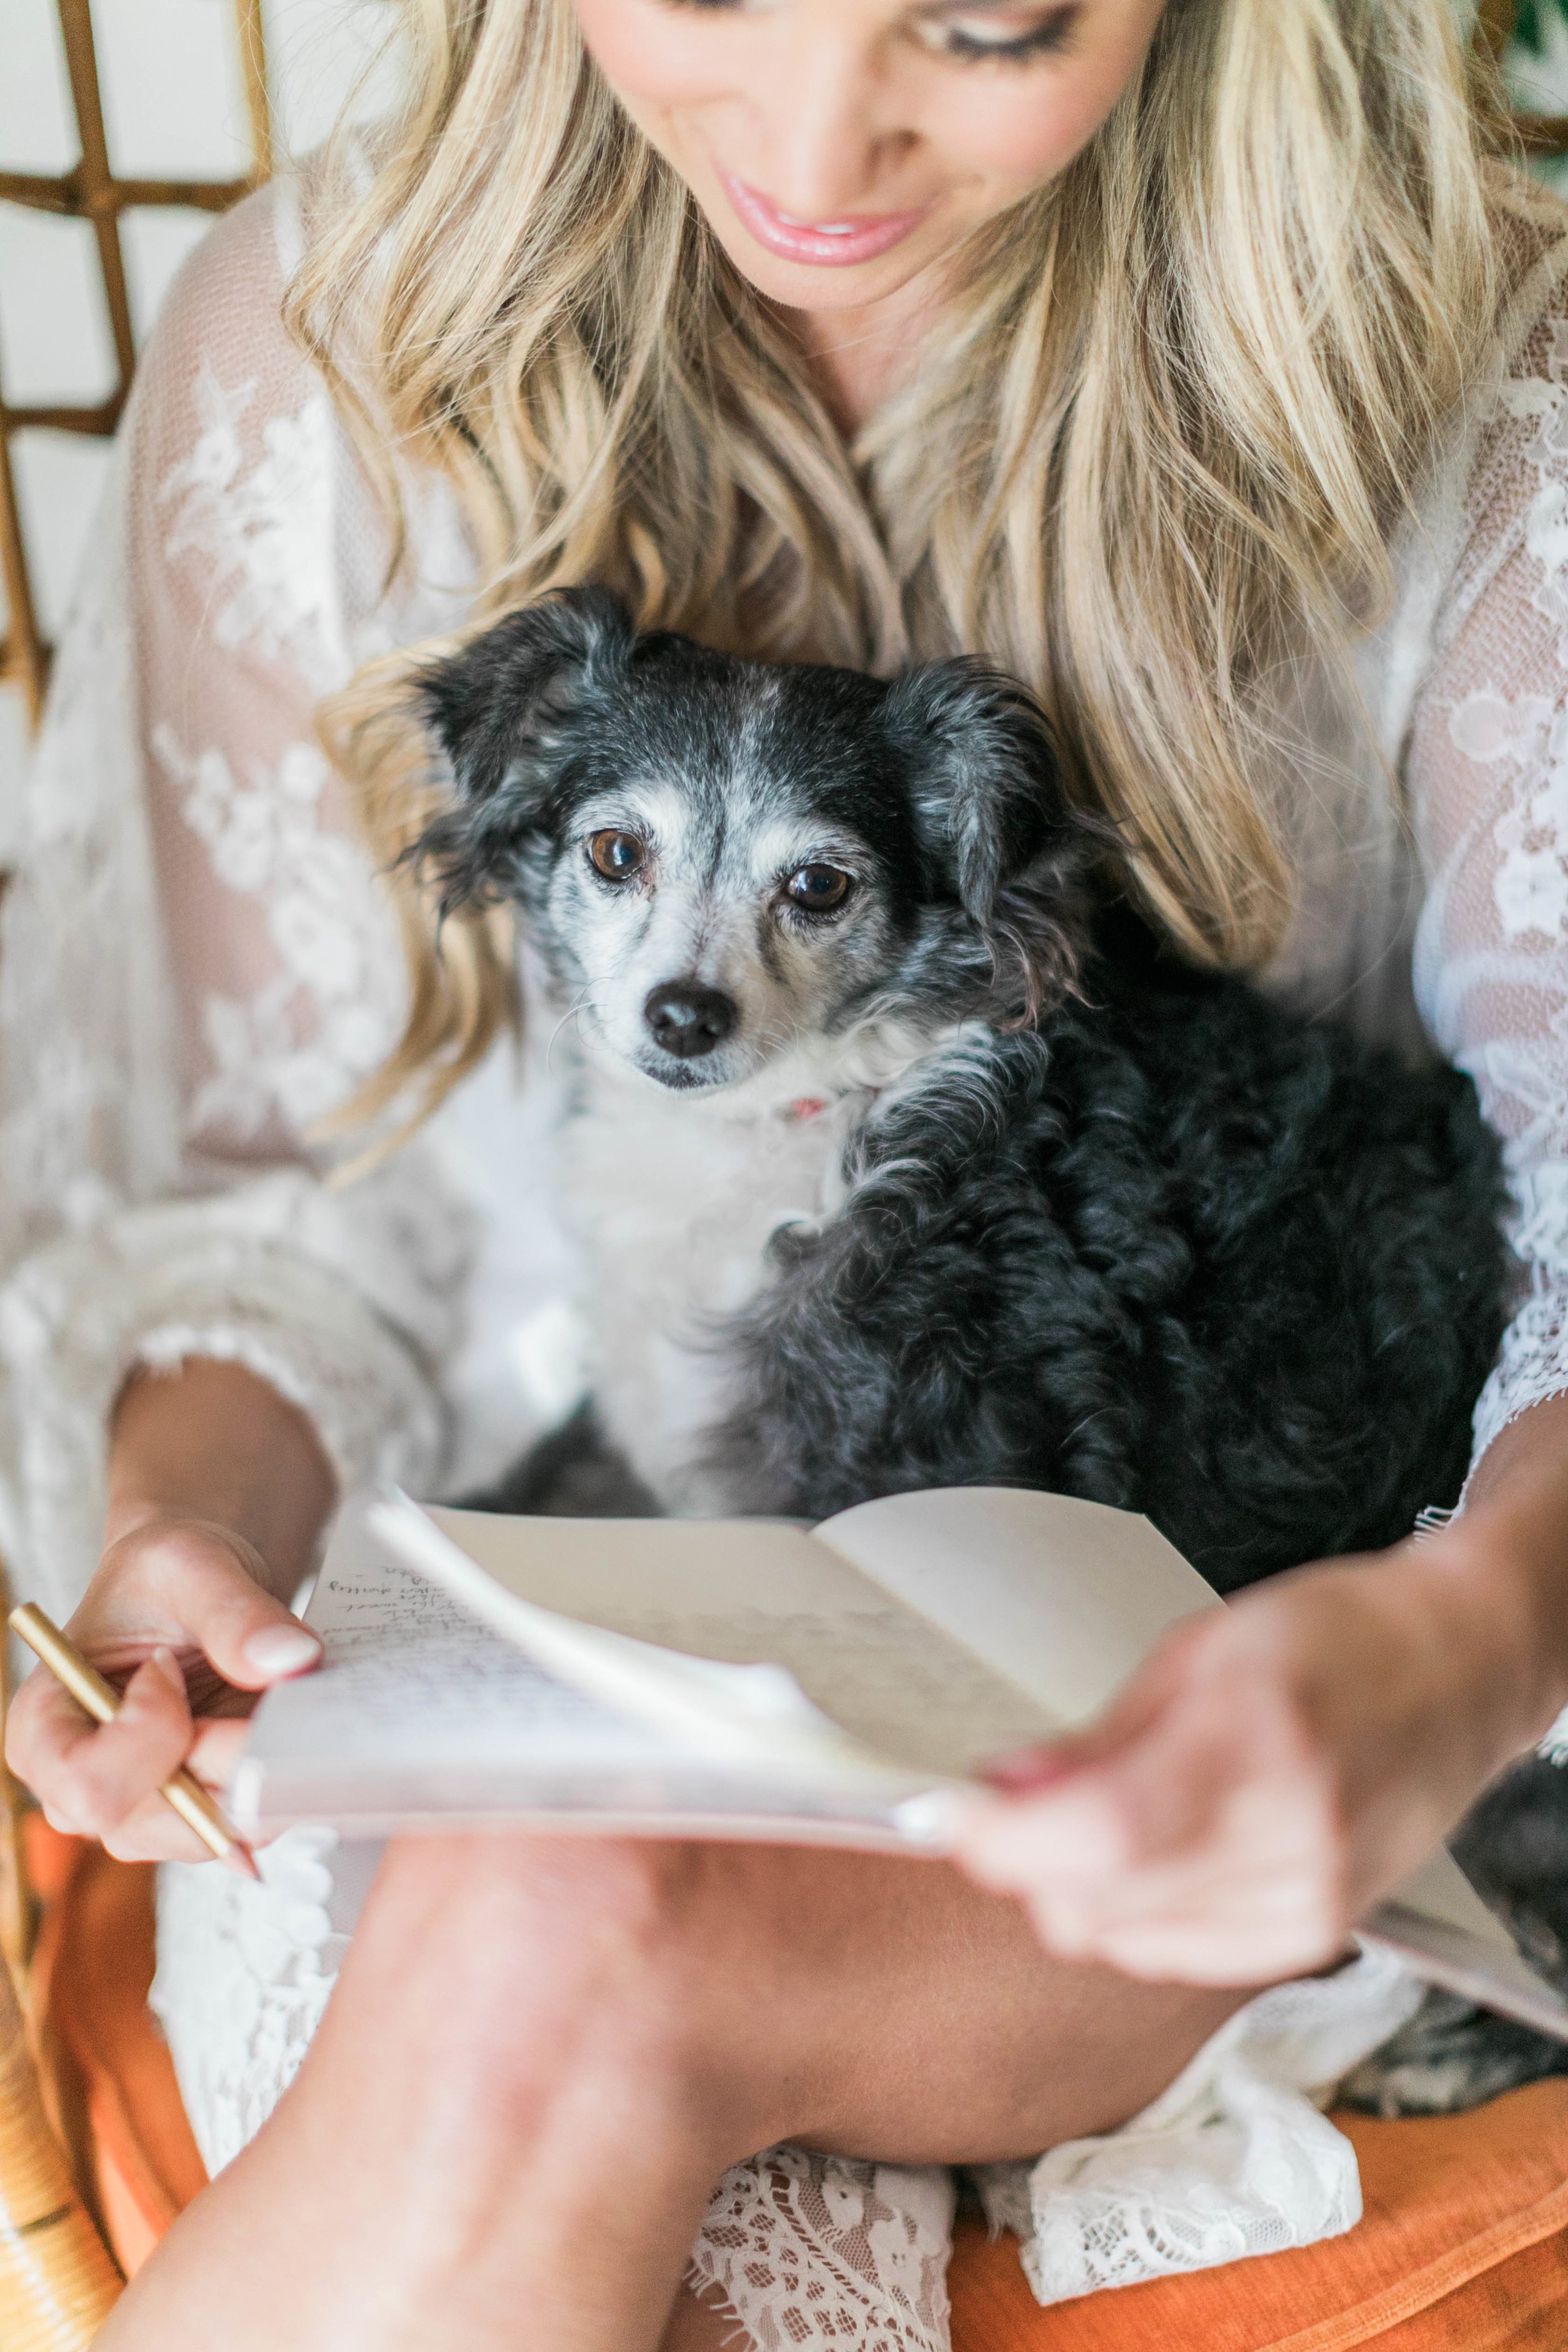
<point x="508" y="1926"/>
<point x="520" y="1967"/>
<point x="520" y="1953"/>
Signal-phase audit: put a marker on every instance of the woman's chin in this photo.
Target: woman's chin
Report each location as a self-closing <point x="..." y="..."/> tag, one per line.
<point x="828" y="293"/>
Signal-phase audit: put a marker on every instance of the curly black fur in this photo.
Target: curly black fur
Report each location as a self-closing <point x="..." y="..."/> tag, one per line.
<point x="1171" y="1250"/>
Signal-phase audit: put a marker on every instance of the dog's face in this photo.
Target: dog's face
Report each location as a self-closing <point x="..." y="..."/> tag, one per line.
<point x="717" y="859"/>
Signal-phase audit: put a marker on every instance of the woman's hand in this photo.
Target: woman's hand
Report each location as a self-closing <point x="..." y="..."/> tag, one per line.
<point x="218" y="1493"/>
<point x="178" y="1617"/>
<point x="1273" y="1768"/>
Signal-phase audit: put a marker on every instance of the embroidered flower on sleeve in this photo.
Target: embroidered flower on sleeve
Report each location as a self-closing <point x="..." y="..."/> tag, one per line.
<point x="1529" y="883"/>
<point x="266" y="528"/>
<point x="1530" y="887"/>
<point x="297" y="1042"/>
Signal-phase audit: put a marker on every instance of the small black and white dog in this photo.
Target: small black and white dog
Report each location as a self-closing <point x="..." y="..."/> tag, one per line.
<point x="904" y="1157"/>
<point x="901" y="1165"/>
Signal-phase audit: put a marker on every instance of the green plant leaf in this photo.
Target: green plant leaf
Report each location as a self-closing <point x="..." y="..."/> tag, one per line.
<point x="1528" y="28"/>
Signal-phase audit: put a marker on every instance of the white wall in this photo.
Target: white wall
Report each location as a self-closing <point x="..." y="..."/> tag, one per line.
<point x="174" y="109"/>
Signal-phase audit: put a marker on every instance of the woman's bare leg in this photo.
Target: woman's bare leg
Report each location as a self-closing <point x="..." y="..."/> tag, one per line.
<point x="543" y="2053"/>
<point x="702" y="2324"/>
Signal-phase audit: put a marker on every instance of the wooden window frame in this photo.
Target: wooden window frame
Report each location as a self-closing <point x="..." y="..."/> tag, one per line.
<point x="92" y="191"/>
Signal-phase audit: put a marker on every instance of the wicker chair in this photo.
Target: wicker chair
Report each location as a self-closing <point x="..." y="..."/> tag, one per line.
<point x="58" y="2280"/>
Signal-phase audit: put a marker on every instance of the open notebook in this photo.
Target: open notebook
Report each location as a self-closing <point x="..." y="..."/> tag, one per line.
<point x="746" y="1678"/>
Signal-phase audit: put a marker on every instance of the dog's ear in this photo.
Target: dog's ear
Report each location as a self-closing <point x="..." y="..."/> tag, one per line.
<point x="986" y="788"/>
<point x="501" y="711"/>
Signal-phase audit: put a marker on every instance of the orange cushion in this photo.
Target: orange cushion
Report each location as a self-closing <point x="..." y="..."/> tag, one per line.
<point x="104" y="2057"/>
<point x="1463" y="2248"/>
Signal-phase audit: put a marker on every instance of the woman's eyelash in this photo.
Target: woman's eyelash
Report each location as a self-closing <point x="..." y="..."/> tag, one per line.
<point x="1047" y="39"/>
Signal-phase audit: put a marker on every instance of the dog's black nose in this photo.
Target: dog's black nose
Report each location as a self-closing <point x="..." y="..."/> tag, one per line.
<point x="688" y="1020"/>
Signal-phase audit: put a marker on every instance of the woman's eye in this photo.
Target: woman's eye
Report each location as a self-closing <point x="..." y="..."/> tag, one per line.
<point x="817" y="889"/>
<point x="1002" y="36"/>
<point x="618" y="856"/>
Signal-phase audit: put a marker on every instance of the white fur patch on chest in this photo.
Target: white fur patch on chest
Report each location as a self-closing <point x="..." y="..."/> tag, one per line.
<point x="676" y="1197"/>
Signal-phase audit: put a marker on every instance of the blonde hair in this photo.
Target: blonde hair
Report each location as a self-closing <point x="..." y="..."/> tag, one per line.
<point x="1182" y="398"/>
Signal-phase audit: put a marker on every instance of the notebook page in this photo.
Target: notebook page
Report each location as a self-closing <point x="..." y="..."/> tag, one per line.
<point x="420" y="1716"/>
<point x="409" y="1675"/>
<point x="1063" y="1597"/>
<point x="754" y="1593"/>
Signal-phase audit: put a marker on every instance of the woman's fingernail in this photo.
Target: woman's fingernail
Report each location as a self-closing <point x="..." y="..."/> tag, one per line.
<point x="168" y="1665"/>
<point x="1025" y="1769"/>
<point x="282" y="1649"/>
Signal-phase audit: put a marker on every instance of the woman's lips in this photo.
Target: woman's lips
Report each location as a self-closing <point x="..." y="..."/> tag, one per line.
<point x="833" y="244"/>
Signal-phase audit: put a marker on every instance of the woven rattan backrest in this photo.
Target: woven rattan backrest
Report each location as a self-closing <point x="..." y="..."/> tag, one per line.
<point x="58" y="2282"/>
<point x="92" y="192"/>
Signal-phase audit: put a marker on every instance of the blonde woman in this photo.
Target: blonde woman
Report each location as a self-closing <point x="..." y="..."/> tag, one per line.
<point x="1191" y="360"/>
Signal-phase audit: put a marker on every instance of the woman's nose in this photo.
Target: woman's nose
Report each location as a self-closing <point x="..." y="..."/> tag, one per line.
<point x="831" y="144"/>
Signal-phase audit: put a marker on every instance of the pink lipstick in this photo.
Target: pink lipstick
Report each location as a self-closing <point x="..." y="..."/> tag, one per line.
<point x="833" y="244"/>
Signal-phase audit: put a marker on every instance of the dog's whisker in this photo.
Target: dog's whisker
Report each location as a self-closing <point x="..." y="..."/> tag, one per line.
<point x="573" y="1012"/>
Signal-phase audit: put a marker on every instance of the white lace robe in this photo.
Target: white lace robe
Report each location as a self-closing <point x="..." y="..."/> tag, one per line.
<point x="195" y="963"/>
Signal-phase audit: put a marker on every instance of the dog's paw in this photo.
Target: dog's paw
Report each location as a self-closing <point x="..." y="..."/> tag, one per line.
<point x="1450" y="2056"/>
<point x="1512" y="1847"/>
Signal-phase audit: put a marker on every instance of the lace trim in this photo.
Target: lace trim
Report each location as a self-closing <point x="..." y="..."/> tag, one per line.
<point x="1524" y="736"/>
<point x="1531" y="1365"/>
<point x="243" y="1976"/>
<point x="1233" y="2159"/>
<point x="810" y="2249"/>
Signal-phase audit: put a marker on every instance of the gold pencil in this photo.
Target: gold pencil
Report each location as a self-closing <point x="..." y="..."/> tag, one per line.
<point x="184" y="1792"/>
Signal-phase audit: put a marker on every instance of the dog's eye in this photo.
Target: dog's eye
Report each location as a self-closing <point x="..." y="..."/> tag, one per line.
<point x="817" y="889"/>
<point x="618" y="856"/>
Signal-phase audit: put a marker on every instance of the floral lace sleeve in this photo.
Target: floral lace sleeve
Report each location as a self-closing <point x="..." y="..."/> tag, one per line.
<point x="1488" y="773"/>
<point x="196" y="962"/>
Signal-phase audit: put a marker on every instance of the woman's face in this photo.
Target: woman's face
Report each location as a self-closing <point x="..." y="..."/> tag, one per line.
<point x="841" y="147"/>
